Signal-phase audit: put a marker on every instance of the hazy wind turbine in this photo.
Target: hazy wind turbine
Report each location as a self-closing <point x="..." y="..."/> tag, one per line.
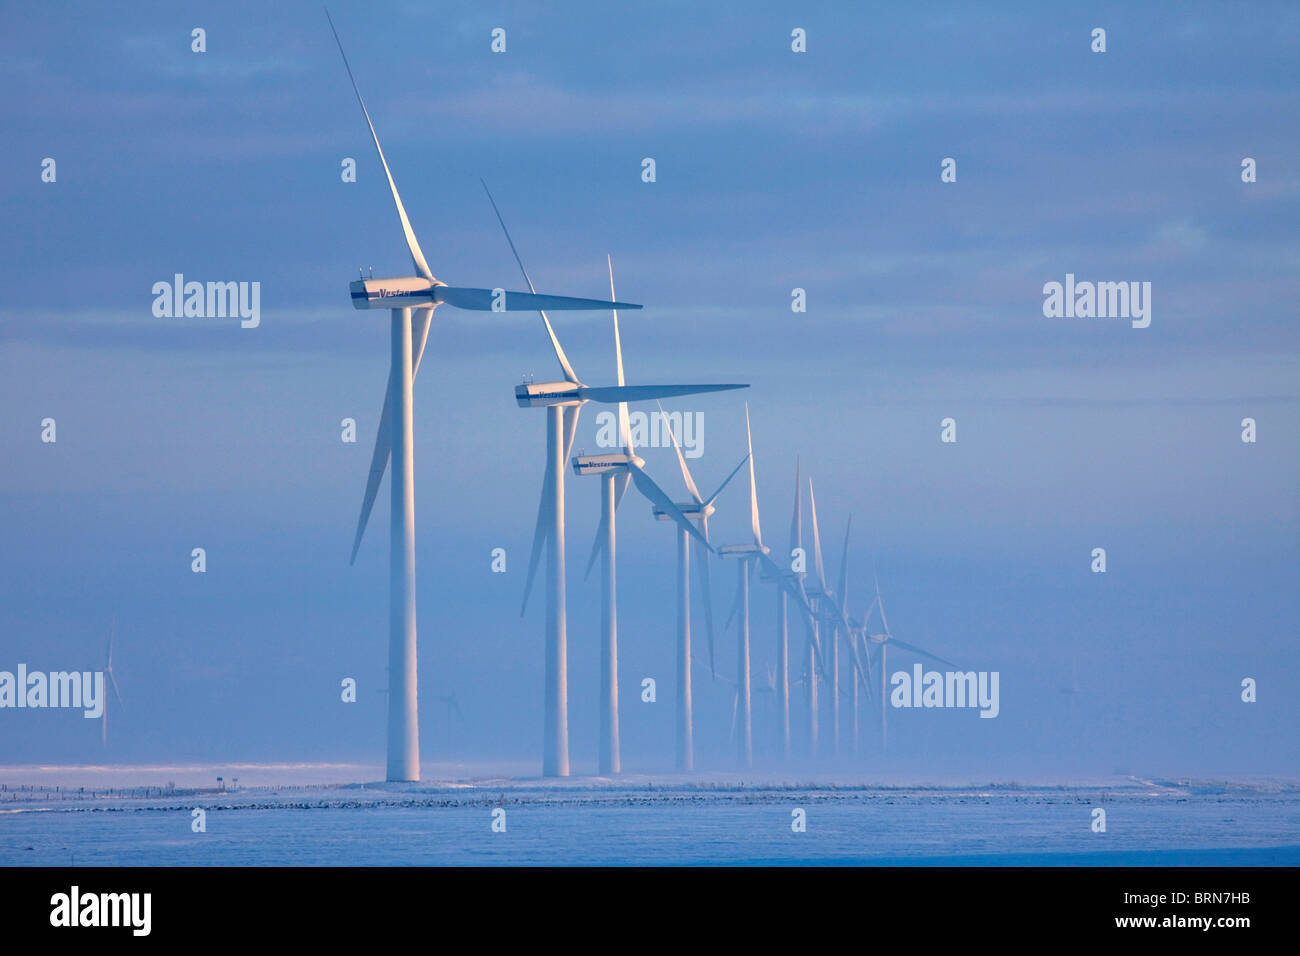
<point x="617" y="470"/>
<point x="108" y="672"/>
<point x="884" y="640"/>
<point x="854" y="637"/>
<point x="699" y="508"/>
<point x="750" y="556"/>
<point x="830" y="611"/>
<point x="404" y="296"/>
<point x="814" y="661"/>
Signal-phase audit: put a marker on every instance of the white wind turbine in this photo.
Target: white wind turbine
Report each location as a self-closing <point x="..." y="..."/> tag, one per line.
<point x="630" y="467"/>
<point x="830" y="612"/>
<point x="791" y="583"/>
<point x="884" y="640"/>
<point x="853" y="632"/>
<point x="411" y="300"/>
<point x="108" y="672"/>
<point x="564" y="401"/>
<point x="750" y="557"/>
<point x="700" y="509"/>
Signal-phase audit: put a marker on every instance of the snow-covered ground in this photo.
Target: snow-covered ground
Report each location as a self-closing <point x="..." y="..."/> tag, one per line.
<point x="310" y="814"/>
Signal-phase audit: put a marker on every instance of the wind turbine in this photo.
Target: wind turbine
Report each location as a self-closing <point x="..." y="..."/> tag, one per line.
<point x="791" y="583"/>
<point x="700" y="509"/>
<point x="830" y="611"/>
<point x="884" y="640"/>
<point x="411" y="301"/>
<point x="564" y="401"/>
<point x="750" y="556"/>
<point x="108" y="672"/>
<point x="629" y="467"/>
<point x="854" y="637"/>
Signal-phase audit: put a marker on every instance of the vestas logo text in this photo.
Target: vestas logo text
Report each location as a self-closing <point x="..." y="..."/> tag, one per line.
<point x="74" y="908"/>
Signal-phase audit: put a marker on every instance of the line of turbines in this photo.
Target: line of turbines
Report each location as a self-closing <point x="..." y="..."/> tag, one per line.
<point x="829" y="628"/>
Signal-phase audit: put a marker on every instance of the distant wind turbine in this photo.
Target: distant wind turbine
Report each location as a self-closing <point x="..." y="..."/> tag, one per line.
<point x="617" y="470"/>
<point x="751" y="556"/>
<point x="406" y="297"/>
<point x="830" y="613"/>
<point x="884" y="640"/>
<point x="563" y="402"/>
<point x="699" y="508"/>
<point x="108" y="672"/>
<point x="792" y="584"/>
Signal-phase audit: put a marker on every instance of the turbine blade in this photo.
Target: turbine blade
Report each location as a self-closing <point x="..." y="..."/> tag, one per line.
<point x="753" y="487"/>
<point x="598" y="545"/>
<point x="609" y="394"/>
<point x="621" y="490"/>
<point x="486" y="300"/>
<point x="541" y="531"/>
<point x="116" y="693"/>
<point x="841" y="592"/>
<point x="869" y="681"/>
<point x="571" y="413"/>
<point x="706" y="585"/>
<point x="916" y="650"/>
<point x="714" y="497"/>
<point x="686" y="472"/>
<point x="420" y="322"/>
<point x="732" y="611"/>
<point x="857" y="659"/>
<point x="378" y="464"/>
<point x="618" y="346"/>
<point x="796" y="519"/>
<point x="417" y="257"/>
<point x="624" y="430"/>
<point x="817" y="538"/>
<point x="884" y="621"/>
<point x="569" y="374"/>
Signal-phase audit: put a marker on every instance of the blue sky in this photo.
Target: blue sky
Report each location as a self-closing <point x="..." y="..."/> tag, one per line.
<point x="775" y="171"/>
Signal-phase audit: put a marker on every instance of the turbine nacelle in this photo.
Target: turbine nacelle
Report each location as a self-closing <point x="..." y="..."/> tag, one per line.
<point x="691" y="509"/>
<point x="544" y="394"/>
<point x="405" y="292"/>
<point x="599" y="464"/>
<point x="742" y="550"/>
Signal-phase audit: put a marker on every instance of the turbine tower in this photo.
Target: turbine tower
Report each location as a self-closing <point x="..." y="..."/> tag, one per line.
<point x="411" y="301"/>
<point x="616" y="472"/>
